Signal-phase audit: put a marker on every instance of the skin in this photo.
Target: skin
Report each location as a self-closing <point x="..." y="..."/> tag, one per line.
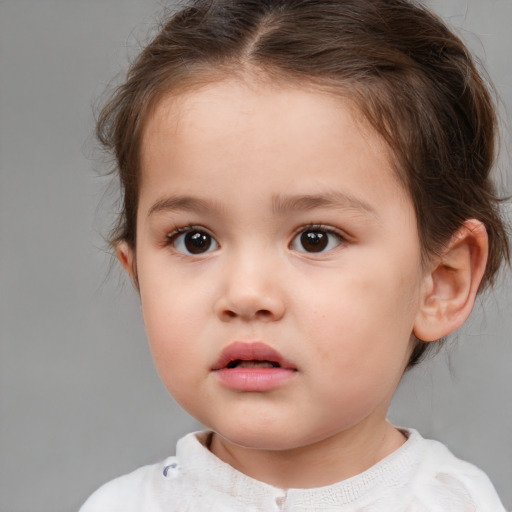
<point x="221" y="160"/>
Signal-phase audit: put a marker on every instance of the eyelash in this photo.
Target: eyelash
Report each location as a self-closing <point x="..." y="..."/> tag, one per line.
<point x="185" y="229"/>
<point x="341" y="238"/>
<point x="173" y="236"/>
<point x="318" y="242"/>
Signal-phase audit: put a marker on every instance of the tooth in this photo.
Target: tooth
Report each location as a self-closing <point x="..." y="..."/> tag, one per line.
<point x="256" y="364"/>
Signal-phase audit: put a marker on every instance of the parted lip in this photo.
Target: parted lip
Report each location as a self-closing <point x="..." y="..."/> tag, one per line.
<point x="251" y="351"/>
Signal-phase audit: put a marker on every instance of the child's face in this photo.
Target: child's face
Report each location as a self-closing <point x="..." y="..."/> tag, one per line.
<point x="269" y="215"/>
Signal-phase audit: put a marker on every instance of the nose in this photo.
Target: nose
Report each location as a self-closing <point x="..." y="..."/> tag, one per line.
<point x="250" y="292"/>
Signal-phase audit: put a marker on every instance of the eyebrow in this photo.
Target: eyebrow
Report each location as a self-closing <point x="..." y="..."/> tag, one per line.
<point x="281" y="204"/>
<point x="185" y="203"/>
<point x="332" y="200"/>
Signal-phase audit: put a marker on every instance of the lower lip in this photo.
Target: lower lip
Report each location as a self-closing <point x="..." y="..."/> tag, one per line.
<point x="254" y="379"/>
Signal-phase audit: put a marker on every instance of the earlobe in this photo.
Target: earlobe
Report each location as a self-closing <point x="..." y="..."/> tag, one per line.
<point x="126" y="256"/>
<point x="450" y="288"/>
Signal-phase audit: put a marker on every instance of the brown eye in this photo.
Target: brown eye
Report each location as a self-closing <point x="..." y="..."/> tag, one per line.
<point x="316" y="240"/>
<point x="194" y="241"/>
<point x="197" y="242"/>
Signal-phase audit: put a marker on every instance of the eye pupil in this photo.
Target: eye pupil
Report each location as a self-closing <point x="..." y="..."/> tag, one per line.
<point x="314" y="241"/>
<point x="197" y="242"/>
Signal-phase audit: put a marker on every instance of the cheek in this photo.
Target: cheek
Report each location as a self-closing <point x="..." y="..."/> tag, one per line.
<point x="170" y="323"/>
<point x="362" y="324"/>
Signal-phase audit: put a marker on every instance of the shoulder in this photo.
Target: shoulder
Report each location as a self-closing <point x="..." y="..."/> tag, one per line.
<point x="133" y="492"/>
<point x="443" y="480"/>
<point x="176" y="483"/>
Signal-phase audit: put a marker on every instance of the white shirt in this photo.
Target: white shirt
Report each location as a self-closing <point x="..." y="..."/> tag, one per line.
<point x="421" y="476"/>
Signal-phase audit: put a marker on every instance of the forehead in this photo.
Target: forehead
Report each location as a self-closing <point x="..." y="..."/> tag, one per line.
<point x="237" y="129"/>
<point x="242" y="106"/>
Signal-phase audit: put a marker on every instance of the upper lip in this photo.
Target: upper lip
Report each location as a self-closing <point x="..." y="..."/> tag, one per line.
<point x="251" y="351"/>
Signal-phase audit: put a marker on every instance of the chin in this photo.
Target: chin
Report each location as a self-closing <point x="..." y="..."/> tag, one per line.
<point x="258" y="437"/>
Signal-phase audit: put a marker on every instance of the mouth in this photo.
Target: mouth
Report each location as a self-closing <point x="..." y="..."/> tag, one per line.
<point x="258" y="356"/>
<point x="240" y="363"/>
<point x="253" y="368"/>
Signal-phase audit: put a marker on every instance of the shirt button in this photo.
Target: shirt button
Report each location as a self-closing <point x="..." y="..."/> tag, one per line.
<point x="171" y="470"/>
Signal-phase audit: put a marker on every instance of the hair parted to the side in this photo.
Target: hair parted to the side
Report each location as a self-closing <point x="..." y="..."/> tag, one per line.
<point x="410" y="77"/>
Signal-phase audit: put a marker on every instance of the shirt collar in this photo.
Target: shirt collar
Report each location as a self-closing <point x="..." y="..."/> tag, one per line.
<point x="199" y="463"/>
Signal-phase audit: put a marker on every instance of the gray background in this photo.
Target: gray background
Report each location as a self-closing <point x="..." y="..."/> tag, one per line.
<point x="80" y="401"/>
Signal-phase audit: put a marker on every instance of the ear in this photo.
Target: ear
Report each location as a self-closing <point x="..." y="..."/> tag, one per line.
<point x="126" y="256"/>
<point x="451" y="286"/>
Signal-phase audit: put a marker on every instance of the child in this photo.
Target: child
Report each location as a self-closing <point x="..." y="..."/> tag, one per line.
<point x="307" y="212"/>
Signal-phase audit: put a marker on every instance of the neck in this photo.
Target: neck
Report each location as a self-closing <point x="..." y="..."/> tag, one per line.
<point x="322" y="463"/>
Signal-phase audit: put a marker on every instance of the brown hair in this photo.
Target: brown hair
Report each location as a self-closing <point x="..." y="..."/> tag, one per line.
<point x="413" y="80"/>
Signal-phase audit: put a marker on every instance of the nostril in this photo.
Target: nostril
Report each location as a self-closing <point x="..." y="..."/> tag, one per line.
<point x="261" y="313"/>
<point x="249" y="306"/>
